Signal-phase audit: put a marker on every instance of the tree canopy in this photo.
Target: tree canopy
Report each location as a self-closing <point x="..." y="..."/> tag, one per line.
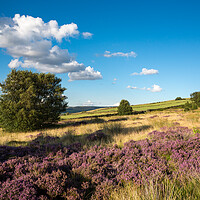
<point x="30" y="100"/>
<point x="195" y="97"/>
<point x="124" y="108"/>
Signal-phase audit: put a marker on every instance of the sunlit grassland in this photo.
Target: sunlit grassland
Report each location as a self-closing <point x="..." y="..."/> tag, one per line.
<point x="119" y="130"/>
<point x="137" y="108"/>
<point x="131" y="127"/>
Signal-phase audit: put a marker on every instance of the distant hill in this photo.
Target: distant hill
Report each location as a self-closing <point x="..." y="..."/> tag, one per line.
<point x="77" y="109"/>
<point x="95" y="111"/>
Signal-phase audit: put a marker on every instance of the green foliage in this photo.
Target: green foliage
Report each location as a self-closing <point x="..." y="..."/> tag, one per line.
<point x="124" y="108"/>
<point x="190" y="106"/>
<point x="195" y="97"/>
<point x="30" y="100"/>
<point x="196" y="130"/>
<point x="178" y="98"/>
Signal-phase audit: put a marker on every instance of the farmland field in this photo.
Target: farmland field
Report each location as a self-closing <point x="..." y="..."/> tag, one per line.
<point x="152" y="155"/>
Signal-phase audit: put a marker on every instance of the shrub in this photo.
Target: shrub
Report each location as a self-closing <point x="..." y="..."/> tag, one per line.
<point x="124" y="108"/>
<point x="190" y="106"/>
<point x="30" y="100"/>
<point x="178" y="98"/>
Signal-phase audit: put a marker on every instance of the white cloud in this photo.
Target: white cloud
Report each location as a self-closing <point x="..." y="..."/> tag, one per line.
<point x="88" y="103"/>
<point x="14" y="63"/>
<point x="116" y="104"/>
<point x="87" y="35"/>
<point x="131" y="87"/>
<point x="29" y="41"/>
<point x="87" y="74"/>
<point x="146" y="71"/>
<point x="155" y="88"/>
<point x="108" y="54"/>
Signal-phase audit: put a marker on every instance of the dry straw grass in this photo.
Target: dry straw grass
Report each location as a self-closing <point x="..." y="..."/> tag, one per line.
<point x="133" y="127"/>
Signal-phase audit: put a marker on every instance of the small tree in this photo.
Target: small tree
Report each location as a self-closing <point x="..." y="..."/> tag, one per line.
<point x="124" y="108"/>
<point x="30" y="100"/>
<point x="178" y="98"/>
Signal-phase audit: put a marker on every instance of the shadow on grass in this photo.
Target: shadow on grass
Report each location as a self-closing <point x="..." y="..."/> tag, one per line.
<point x="136" y="129"/>
<point x="43" y="144"/>
<point x="93" y="120"/>
<point x="63" y="124"/>
<point x="118" y="119"/>
<point x="104" y="136"/>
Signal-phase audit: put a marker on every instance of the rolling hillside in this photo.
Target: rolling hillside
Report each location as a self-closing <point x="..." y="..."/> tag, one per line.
<point x="136" y="108"/>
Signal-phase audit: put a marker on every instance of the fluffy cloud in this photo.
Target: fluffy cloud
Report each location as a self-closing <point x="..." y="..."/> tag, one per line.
<point x="29" y="41"/>
<point x="154" y="88"/>
<point x="108" y="54"/>
<point x="87" y="35"/>
<point x="87" y="74"/>
<point x="146" y="71"/>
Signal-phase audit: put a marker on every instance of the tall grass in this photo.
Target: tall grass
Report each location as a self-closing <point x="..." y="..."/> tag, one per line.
<point x="113" y="128"/>
<point x="168" y="189"/>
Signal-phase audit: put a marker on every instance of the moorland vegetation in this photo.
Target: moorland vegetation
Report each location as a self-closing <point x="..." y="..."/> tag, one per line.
<point x="151" y="155"/>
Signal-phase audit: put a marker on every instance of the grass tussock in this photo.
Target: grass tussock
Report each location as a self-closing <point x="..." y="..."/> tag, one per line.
<point x="168" y="189"/>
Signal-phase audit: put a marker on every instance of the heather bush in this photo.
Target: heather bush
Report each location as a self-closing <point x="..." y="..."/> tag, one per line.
<point x="165" y="165"/>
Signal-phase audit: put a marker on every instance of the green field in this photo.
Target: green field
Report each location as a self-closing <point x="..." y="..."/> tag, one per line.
<point x="137" y="108"/>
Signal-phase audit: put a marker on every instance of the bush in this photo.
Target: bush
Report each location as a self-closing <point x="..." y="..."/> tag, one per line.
<point x="190" y="106"/>
<point x="30" y="100"/>
<point x="178" y="98"/>
<point x="124" y="108"/>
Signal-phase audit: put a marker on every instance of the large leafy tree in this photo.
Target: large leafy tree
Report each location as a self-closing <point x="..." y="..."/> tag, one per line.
<point x="124" y="108"/>
<point x="195" y="97"/>
<point x="28" y="100"/>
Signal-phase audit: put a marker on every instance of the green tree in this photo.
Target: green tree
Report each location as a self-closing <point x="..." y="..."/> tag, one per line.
<point x="124" y="108"/>
<point x="195" y="97"/>
<point x="28" y="100"/>
<point x="178" y="98"/>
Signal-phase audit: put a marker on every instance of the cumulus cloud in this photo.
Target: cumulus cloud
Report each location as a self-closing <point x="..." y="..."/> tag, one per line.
<point x="108" y="54"/>
<point x="154" y="88"/>
<point x="30" y="42"/>
<point x="87" y="74"/>
<point x="87" y="35"/>
<point x="146" y="71"/>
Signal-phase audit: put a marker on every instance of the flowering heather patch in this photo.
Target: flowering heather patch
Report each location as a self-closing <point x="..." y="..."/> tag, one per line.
<point x="54" y="171"/>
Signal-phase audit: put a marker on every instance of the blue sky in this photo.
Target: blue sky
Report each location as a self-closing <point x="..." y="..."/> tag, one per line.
<point x="143" y="51"/>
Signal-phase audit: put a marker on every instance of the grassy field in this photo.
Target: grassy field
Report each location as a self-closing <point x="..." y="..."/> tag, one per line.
<point x="113" y="157"/>
<point x="129" y="125"/>
<point x="113" y="110"/>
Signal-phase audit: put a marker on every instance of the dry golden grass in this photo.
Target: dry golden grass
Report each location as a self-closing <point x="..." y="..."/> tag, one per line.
<point x="133" y="127"/>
